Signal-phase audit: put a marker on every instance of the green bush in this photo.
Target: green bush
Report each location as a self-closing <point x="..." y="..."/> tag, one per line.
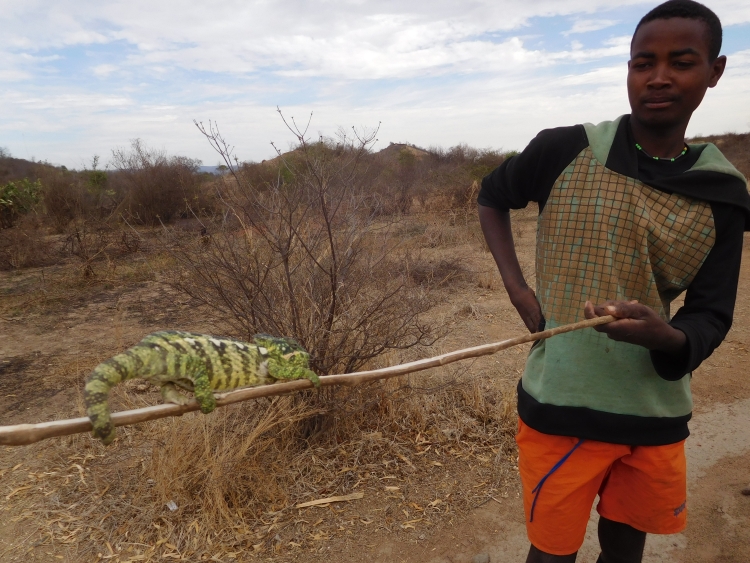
<point x="16" y="199"/>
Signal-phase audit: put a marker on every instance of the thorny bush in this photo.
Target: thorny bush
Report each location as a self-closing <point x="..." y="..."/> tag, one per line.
<point x="156" y="188"/>
<point x="298" y="253"/>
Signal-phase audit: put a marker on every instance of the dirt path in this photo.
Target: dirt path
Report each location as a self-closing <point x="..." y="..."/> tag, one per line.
<point x="718" y="454"/>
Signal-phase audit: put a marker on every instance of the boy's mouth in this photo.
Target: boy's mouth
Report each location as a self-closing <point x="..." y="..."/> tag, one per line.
<point x="658" y="102"/>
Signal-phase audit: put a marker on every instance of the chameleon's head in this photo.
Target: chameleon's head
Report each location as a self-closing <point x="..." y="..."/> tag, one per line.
<point x="282" y="349"/>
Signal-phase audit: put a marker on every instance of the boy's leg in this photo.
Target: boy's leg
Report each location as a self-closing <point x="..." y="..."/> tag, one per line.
<point x="644" y="490"/>
<point x="620" y="543"/>
<point x="538" y="556"/>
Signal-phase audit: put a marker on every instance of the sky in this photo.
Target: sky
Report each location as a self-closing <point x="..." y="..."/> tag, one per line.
<point x="80" y="78"/>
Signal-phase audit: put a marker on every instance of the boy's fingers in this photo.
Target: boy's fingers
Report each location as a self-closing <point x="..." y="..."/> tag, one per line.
<point x="589" y="311"/>
<point x="623" y="309"/>
<point x="612" y="310"/>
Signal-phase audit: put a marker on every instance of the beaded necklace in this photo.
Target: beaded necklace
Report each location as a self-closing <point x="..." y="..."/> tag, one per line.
<point x="684" y="150"/>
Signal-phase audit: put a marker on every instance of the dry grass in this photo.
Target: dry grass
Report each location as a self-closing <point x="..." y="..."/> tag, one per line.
<point x="24" y="246"/>
<point x="54" y="289"/>
<point x="235" y="476"/>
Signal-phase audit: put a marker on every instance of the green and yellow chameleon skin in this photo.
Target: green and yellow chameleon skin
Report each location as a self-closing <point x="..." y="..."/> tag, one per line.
<point x="196" y="362"/>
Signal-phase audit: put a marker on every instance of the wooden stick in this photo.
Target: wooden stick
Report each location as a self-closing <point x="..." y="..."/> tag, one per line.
<point x="22" y="434"/>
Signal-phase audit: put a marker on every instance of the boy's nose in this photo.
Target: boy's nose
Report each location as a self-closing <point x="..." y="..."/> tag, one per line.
<point x="661" y="77"/>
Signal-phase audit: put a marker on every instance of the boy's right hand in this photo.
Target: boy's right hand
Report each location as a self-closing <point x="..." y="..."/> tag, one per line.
<point x="525" y="301"/>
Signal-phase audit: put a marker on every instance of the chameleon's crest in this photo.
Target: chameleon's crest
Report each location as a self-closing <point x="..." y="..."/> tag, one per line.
<point x="283" y="344"/>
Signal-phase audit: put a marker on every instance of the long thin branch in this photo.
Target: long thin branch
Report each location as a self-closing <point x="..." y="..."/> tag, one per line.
<point x="22" y="434"/>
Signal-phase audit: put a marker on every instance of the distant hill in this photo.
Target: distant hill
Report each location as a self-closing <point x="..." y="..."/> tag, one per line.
<point x="735" y="146"/>
<point x="394" y="149"/>
<point x="12" y="169"/>
<point x="391" y="152"/>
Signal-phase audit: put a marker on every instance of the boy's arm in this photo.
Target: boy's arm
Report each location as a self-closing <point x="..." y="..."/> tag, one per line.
<point x="528" y="176"/>
<point x="497" y="233"/>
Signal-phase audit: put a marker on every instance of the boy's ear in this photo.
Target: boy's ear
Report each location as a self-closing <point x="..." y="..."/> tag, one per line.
<point x="717" y="69"/>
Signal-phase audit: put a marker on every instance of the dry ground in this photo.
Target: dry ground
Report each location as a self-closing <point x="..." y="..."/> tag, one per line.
<point x="437" y="495"/>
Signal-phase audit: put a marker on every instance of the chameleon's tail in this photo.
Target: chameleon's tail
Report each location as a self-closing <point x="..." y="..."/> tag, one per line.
<point x="105" y="376"/>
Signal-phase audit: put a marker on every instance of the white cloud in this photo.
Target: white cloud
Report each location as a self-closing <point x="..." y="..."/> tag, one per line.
<point x="612" y="75"/>
<point x="435" y="73"/>
<point x="103" y="70"/>
<point x="352" y="39"/>
<point x="585" y="26"/>
<point x="247" y="35"/>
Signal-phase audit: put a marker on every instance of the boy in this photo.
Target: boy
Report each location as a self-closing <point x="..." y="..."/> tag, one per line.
<point x="629" y="217"/>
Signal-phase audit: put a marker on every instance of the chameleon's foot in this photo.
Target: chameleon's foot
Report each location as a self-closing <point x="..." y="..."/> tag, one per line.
<point x="205" y="409"/>
<point x="292" y="372"/>
<point x="304" y="373"/>
<point x="205" y="398"/>
<point x="312" y="376"/>
<point x="170" y="394"/>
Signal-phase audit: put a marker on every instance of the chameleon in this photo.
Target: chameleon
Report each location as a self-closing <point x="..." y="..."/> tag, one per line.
<point x="195" y="362"/>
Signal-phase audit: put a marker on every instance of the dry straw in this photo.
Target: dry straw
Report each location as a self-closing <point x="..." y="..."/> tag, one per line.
<point x="22" y="434"/>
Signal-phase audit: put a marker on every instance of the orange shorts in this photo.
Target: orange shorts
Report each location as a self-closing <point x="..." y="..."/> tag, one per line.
<point x="642" y="486"/>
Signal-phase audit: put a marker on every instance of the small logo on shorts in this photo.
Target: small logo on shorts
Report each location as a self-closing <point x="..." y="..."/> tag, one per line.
<point x="679" y="509"/>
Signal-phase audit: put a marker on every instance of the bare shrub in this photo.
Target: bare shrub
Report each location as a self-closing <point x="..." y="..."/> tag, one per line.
<point x="88" y="241"/>
<point x="70" y="196"/>
<point x="408" y="181"/>
<point x="401" y="170"/>
<point x="154" y="187"/>
<point x="24" y="246"/>
<point x="303" y="256"/>
<point x="83" y="208"/>
<point x="65" y="198"/>
<point x="455" y="173"/>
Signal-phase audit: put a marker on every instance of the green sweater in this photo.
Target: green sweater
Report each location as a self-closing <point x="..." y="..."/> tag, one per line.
<point x="609" y="228"/>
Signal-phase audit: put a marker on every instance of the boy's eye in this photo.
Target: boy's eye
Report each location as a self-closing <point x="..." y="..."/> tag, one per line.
<point x="683" y="64"/>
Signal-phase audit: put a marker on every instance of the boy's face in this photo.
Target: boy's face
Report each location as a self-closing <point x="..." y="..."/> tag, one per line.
<point x="670" y="70"/>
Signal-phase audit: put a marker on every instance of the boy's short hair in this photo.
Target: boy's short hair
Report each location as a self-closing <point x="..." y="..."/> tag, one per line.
<point x="690" y="10"/>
